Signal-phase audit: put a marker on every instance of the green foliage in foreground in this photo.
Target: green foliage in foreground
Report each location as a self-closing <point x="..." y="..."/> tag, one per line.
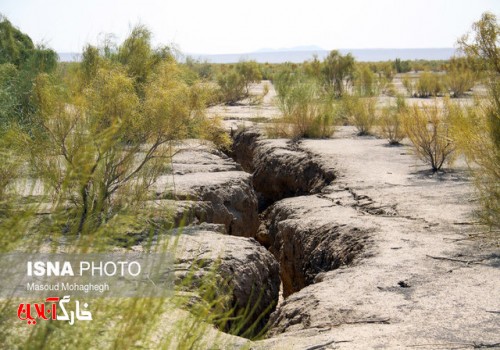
<point x="15" y="46"/>
<point x="478" y="129"/>
<point x="20" y="63"/>
<point x="77" y="178"/>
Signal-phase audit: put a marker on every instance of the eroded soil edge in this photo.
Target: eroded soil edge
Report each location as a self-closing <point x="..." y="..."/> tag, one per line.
<point x="294" y="189"/>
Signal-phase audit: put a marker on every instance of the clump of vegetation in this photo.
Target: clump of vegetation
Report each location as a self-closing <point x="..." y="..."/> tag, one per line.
<point x="402" y="66"/>
<point x="477" y="130"/>
<point x="231" y="87"/>
<point x="360" y="112"/>
<point x="385" y="76"/>
<point x="20" y="62"/>
<point x="409" y="84"/>
<point x="250" y="73"/>
<point x="100" y="151"/>
<point x="307" y="110"/>
<point x="338" y="73"/>
<point x="93" y="140"/>
<point x="459" y="78"/>
<point x="234" y="83"/>
<point x="366" y="81"/>
<point x="474" y="134"/>
<point x="428" y="84"/>
<point x="203" y="69"/>
<point x="428" y="129"/>
<point x="391" y="122"/>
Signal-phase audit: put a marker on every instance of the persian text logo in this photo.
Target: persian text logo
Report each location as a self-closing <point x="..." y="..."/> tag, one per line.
<point x="31" y="312"/>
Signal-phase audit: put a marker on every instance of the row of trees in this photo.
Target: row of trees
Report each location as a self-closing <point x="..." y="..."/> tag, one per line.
<point x="430" y="78"/>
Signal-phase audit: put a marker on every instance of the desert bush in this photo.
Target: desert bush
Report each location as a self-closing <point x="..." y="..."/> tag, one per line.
<point x="136" y="54"/>
<point x="478" y="129"/>
<point x="313" y="68"/>
<point x="213" y="130"/>
<point x="21" y="61"/>
<point x="203" y="69"/>
<point x="306" y="110"/>
<point x="102" y="153"/>
<point x="231" y="87"/>
<point x="91" y="61"/>
<point x="428" y="129"/>
<point x="338" y="72"/>
<point x="428" y="84"/>
<point x="366" y="81"/>
<point x="409" y="84"/>
<point x="15" y="46"/>
<point x="360" y="112"/>
<point x="391" y="121"/>
<point x="249" y="72"/>
<point x="473" y="128"/>
<point x="386" y="70"/>
<point x="459" y="77"/>
<point x="483" y="45"/>
<point x="402" y="66"/>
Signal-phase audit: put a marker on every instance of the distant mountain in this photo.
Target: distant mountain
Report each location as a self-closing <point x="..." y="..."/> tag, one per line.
<point x="364" y="55"/>
<point x="303" y="53"/>
<point x="292" y="49"/>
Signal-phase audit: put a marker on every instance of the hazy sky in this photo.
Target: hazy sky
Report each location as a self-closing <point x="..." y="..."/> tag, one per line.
<point x="232" y="26"/>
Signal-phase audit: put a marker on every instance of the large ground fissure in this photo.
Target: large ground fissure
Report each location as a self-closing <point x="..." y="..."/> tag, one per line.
<point x="292" y="186"/>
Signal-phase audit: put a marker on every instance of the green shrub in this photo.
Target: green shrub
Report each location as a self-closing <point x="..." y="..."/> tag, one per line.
<point x="306" y="110"/>
<point x="21" y="62"/>
<point x="473" y="128"/>
<point x="366" y="81"/>
<point x="232" y="87"/>
<point x="402" y="66"/>
<point x="360" y="112"/>
<point x="477" y="129"/>
<point x="249" y="72"/>
<point x="391" y="122"/>
<point x="428" y="129"/>
<point x="459" y="77"/>
<point x="338" y="72"/>
<point x="15" y="46"/>
<point x="409" y="84"/>
<point x="428" y="84"/>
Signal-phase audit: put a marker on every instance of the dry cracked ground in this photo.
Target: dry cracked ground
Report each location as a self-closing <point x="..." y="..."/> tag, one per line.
<point x="358" y="243"/>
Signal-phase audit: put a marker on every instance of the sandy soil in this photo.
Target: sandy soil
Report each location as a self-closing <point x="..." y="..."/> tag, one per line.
<point x="247" y="113"/>
<point x="446" y="304"/>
